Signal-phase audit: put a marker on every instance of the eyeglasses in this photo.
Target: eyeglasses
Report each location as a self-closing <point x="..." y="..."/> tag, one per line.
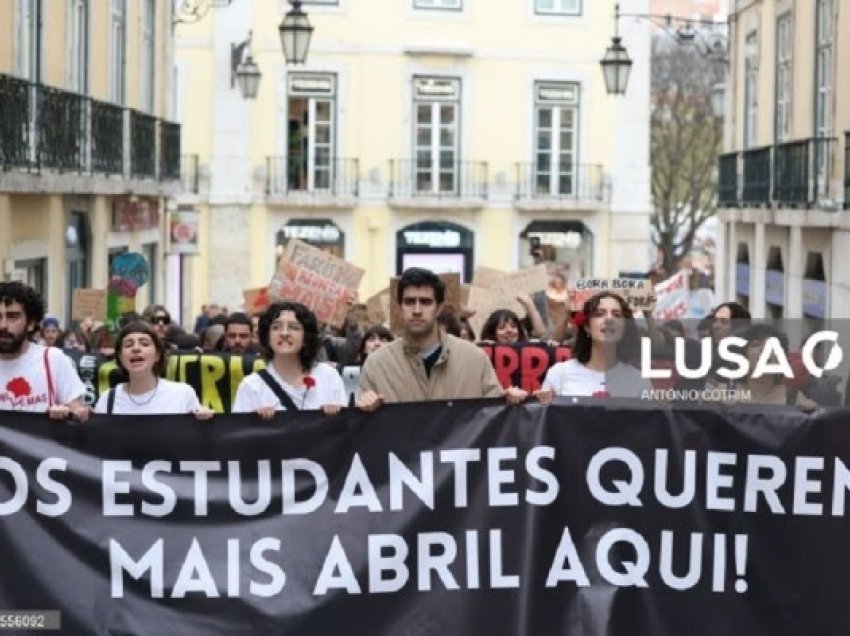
<point x="161" y="320"/>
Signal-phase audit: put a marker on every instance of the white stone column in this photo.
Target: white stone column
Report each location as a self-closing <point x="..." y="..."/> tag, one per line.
<point x="795" y="272"/>
<point x="757" y="272"/>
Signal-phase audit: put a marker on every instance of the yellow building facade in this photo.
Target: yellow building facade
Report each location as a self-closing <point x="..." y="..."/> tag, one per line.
<point x="88" y="154"/>
<point x="785" y="176"/>
<point x="440" y="133"/>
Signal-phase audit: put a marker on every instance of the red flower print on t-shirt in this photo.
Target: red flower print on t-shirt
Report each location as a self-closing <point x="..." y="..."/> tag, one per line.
<point x="19" y="387"/>
<point x="601" y="394"/>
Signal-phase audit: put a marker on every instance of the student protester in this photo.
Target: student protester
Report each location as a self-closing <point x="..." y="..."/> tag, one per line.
<point x="375" y="337"/>
<point x="141" y="357"/>
<point x="51" y="334"/>
<point x="605" y="349"/>
<point x="33" y="377"/>
<point x="504" y="327"/>
<point x="293" y="378"/>
<point x="422" y="364"/>
<point x="158" y="316"/>
<point x="238" y="334"/>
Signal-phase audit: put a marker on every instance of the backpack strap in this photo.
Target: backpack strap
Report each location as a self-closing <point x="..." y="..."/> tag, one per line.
<point x="110" y="401"/>
<point x="51" y="394"/>
<point x="282" y="395"/>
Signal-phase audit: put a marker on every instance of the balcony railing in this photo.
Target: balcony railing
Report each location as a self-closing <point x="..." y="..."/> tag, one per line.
<point x="47" y="128"/>
<point x="756" y="190"/>
<point x="847" y="170"/>
<point x="169" y="151"/>
<point x="455" y="180"/>
<point x="107" y="138"/>
<point x="566" y="181"/>
<point x="334" y="176"/>
<point x="727" y="188"/>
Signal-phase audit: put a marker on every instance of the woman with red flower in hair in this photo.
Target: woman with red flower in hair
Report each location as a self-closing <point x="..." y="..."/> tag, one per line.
<point x="605" y="349"/>
<point x="293" y="378"/>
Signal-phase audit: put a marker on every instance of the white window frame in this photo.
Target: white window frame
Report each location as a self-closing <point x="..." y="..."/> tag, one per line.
<point x="313" y="98"/>
<point x="558" y="7"/>
<point x="147" y="57"/>
<point x="822" y="108"/>
<point x="751" y="83"/>
<point x="438" y="5"/>
<point x="78" y="46"/>
<point x="436" y="102"/>
<point x="555" y="105"/>
<point x="784" y="76"/>
<point x="27" y="56"/>
<point x="117" y="51"/>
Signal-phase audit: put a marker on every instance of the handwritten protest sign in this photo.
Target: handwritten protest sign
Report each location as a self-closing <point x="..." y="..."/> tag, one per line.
<point x="88" y="303"/>
<point x="255" y="300"/>
<point x="672" y="296"/>
<point x="637" y="292"/>
<point x="484" y="276"/>
<point x="452" y="299"/>
<point x="316" y="278"/>
<point x="506" y="287"/>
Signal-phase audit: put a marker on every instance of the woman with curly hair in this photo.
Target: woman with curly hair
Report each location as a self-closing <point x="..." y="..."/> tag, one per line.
<point x="293" y="378"/>
<point x="606" y="348"/>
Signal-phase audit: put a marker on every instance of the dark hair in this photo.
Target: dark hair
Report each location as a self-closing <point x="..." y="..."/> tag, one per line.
<point x="375" y="330"/>
<point x="499" y="318"/>
<point x="100" y="337"/>
<point x="312" y="343"/>
<point x="763" y="331"/>
<point x="30" y="299"/>
<point x="128" y="318"/>
<point x="627" y="348"/>
<point x="464" y="324"/>
<point x="218" y="319"/>
<point x="421" y="277"/>
<point x="187" y="342"/>
<point x="448" y="321"/>
<point x="151" y="311"/>
<point x="736" y="311"/>
<point x="239" y="318"/>
<point x="141" y="326"/>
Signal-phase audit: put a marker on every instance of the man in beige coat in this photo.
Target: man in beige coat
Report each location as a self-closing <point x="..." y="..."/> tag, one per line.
<point x="423" y="365"/>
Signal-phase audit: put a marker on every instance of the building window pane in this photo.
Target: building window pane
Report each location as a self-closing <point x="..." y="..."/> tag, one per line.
<point x="751" y="76"/>
<point x="78" y="42"/>
<point x="148" y="58"/>
<point x="784" y="65"/>
<point x="556" y="105"/>
<point x="438" y="4"/>
<point x="823" y="80"/>
<point x="311" y="153"/>
<point x="435" y="135"/>
<point x="558" y="7"/>
<point x="118" y="37"/>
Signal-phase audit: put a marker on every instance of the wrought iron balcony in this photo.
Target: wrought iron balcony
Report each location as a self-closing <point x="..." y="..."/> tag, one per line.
<point x="727" y="188"/>
<point x="317" y="176"/>
<point x="578" y="181"/>
<point x="459" y="180"/>
<point x="169" y="151"/>
<point x="107" y="138"/>
<point x="801" y="171"/>
<point x="756" y="190"/>
<point x="16" y="130"/>
<point x="48" y="129"/>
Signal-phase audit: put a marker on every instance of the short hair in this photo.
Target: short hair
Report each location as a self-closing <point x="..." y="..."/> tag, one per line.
<point x="29" y="298"/>
<point x="141" y="326"/>
<point x="736" y="311"/>
<point x="627" y="348"/>
<point x="152" y="310"/>
<point x="239" y="318"/>
<point x="375" y="330"/>
<point x="499" y="318"/>
<point x="421" y="277"/>
<point x="312" y="343"/>
<point x="448" y="321"/>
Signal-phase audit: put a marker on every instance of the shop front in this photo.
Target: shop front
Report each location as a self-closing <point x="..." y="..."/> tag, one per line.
<point x="439" y="246"/>
<point x="569" y="243"/>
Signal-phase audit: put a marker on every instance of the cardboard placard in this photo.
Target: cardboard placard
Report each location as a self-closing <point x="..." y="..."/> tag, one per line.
<point x="672" y="296"/>
<point x="88" y="303"/>
<point x="483" y="302"/>
<point x="638" y="293"/>
<point x="452" y="299"/>
<point x="316" y="278"/>
<point x="378" y="307"/>
<point x="508" y="286"/>
<point x="256" y="300"/>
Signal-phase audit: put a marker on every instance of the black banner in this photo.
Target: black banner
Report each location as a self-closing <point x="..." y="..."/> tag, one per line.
<point x="461" y="518"/>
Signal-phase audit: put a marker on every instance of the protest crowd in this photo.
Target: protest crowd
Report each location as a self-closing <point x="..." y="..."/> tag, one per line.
<point x="421" y="344"/>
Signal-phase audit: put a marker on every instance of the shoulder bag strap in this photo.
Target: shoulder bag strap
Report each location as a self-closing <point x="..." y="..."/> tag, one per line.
<point x="282" y="395"/>
<point x="110" y="401"/>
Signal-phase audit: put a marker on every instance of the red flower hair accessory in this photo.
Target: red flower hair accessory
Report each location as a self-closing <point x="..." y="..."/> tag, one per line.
<point x="309" y="382"/>
<point x="579" y="318"/>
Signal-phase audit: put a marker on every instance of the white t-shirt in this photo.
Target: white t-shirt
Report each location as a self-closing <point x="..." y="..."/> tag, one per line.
<point x="573" y="378"/>
<point x="23" y="381"/>
<point x="167" y="397"/>
<point x="253" y="392"/>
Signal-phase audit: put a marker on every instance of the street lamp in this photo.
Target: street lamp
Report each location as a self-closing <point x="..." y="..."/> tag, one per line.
<point x="616" y="64"/>
<point x="244" y="72"/>
<point x="295" y="32"/>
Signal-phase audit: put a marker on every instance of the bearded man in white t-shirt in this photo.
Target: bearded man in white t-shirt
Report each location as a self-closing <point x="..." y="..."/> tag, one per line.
<point x="33" y="377"/>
